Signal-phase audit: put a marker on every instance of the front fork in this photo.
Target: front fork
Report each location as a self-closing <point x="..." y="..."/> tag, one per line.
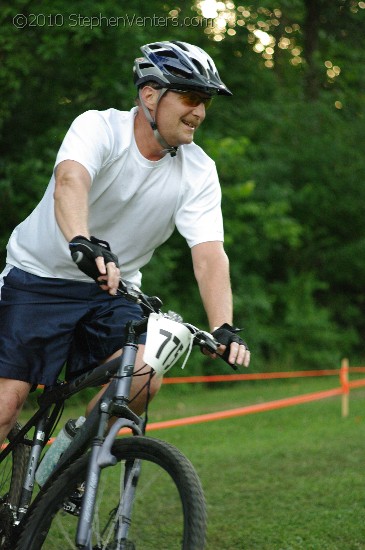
<point x="124" y="516"/>
<point x="101" y="455"/>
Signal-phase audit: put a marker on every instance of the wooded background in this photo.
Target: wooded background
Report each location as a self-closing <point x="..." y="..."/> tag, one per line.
<point x="289" y="148"/>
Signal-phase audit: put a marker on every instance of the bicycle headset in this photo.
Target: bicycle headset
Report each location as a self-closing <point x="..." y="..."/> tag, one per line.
<point x="176" y="66"/>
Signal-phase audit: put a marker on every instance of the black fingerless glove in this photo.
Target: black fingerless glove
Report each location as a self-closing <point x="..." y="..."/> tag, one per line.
<point x="84" y="252"/>
<point x="225" y="335"/>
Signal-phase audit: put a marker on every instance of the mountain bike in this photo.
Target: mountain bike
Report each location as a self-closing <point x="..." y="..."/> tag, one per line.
<point x="129" y="493"/>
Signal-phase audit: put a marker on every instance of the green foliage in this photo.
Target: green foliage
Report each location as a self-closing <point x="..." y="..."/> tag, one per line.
<point x="288" y="147"/>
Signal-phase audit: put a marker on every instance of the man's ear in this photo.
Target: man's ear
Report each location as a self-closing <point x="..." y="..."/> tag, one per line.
<point x="150" y="97"/>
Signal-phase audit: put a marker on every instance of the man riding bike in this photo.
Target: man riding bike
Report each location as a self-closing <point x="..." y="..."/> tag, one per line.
<point x="122" y="181"/>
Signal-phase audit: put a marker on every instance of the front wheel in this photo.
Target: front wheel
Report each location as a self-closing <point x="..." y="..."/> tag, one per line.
<point x="12" y="474"/>
<point x="168" y="507"/>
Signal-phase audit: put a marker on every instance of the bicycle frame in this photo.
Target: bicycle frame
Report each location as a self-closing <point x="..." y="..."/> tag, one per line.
<point x="114" y="402"/>
<point x="95" y="434"/>
<point x="101" y="455"/>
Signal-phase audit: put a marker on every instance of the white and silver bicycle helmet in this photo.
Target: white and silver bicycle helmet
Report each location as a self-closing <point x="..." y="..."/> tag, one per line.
<point x="178" y="66"/>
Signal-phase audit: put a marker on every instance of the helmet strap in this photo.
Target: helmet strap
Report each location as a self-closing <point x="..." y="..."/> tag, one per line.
<point x="166" y="147"/>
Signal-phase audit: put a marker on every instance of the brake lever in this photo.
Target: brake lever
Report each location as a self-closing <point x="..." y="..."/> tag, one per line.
<point x="208" y="342"/>
<point x="127" y="293"/>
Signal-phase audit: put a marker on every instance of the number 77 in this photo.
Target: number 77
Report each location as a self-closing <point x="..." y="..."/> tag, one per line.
<point x="177" y="347"/>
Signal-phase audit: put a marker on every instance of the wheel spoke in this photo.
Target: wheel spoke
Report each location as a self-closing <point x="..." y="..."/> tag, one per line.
<point x="168" y="511"/>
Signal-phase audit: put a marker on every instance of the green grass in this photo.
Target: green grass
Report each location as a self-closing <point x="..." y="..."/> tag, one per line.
<point x="281" y="480"/>
<point x="288" y="479"/>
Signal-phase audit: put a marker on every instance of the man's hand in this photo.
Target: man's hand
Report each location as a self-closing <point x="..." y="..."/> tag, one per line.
<point x="233" y="349"/>
<point x="97" y="261"/>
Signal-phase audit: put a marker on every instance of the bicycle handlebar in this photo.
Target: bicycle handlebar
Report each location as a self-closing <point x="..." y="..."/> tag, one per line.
<point x="149" y="304"/>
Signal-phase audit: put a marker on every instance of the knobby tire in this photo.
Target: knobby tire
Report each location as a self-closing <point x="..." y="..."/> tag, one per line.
<point x="155" y="522"/>
<point x="12" y="474"/>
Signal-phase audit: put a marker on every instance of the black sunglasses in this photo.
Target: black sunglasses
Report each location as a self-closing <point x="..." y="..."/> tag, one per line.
<point x="193" y="99"/>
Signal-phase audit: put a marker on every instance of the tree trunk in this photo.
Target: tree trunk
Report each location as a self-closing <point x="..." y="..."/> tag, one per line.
<point x="311" y="30"/>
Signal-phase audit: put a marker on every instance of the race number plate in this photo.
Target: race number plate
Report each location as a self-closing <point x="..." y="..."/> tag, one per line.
<point x="166" y="342"/>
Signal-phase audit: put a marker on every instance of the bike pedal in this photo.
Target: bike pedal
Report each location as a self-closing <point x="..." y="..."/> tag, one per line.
<point x="73" y="504"/>
<point x="71" y="508"/>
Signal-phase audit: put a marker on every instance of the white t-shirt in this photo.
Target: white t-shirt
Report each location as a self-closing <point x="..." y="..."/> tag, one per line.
<point x="134" y="203"/>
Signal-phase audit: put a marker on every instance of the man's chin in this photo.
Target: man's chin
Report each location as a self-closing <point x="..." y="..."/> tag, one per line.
<point x="186" y="140"/>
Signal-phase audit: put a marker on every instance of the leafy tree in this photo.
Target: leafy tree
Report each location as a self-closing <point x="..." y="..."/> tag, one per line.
<point x="288" y="147"/>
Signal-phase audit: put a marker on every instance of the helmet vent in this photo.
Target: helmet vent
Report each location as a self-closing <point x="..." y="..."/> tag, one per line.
<point x="199" y="66"/>
<point x="180" y="44"/>
<point x="177" y="72"/>
<point x="145" y="66"/>
<point x="168" y="53"/>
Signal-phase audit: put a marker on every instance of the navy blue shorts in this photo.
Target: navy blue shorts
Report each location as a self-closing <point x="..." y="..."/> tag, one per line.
<point x="48" y="323"/>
